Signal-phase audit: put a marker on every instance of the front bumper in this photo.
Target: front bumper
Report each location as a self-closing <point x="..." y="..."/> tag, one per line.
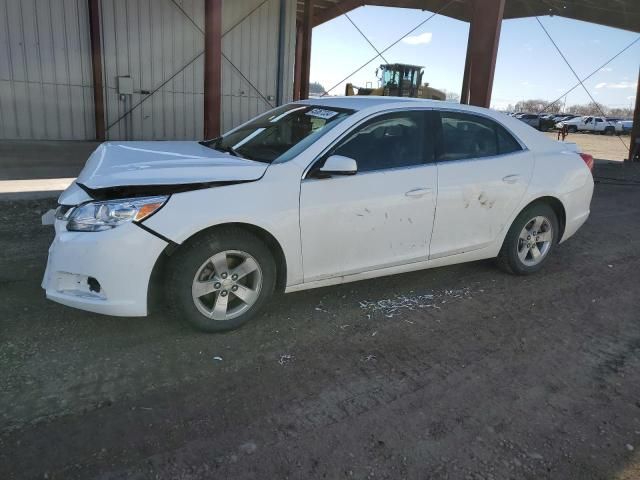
<point x="103" y="272"/>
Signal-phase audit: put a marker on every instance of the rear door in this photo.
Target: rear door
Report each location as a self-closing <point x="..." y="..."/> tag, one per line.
<point x="483" y="173"/>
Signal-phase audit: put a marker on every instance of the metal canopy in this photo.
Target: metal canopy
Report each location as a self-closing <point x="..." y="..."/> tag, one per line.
<point x="624" y="14"/>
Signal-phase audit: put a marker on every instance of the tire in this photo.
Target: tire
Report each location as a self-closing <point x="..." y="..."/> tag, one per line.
<point x="609" y="131"/>
<point x="572" y="129"/>
<point x="191" y="272"/>
<point x="511" y="258"/>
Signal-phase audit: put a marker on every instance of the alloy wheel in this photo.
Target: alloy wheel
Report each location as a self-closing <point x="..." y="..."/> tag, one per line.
<point x="226" y="285"/>
<point x="535" y="241"/>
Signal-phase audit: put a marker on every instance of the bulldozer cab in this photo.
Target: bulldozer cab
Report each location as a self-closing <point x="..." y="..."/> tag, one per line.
<point x="398" y="80"/>
<point x="401" y="80"/>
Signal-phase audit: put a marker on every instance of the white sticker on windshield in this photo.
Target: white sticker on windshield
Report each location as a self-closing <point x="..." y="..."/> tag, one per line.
<point x="322" y="113"/>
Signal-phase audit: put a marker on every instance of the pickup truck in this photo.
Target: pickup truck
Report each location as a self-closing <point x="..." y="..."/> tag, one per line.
<point x="588" y="124"/>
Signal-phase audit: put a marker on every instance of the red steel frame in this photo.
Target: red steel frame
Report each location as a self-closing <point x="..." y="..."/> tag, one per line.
<point x="305" y="49"/>
<point x="96" y="68"/>
<point x="635" y="129"/>
<point x="482" y="49"/>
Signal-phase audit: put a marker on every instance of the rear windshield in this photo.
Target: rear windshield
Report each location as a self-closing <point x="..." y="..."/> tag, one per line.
<point x="289" y="128"/>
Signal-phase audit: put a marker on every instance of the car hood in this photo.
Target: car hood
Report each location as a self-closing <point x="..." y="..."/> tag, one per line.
<point x="127" y="164"/>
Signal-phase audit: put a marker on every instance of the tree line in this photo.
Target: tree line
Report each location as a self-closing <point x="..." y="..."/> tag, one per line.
<point x="591" y="108"/>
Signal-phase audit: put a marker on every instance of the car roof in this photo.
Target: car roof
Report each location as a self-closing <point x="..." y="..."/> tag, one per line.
<point x="357" y="102"/>
<point x="370" y="103"/>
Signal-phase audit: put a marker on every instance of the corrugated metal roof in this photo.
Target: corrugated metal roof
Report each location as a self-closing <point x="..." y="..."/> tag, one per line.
<point x="624" y="14"/>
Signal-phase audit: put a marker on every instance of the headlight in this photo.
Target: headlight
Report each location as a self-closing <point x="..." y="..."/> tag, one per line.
<point x="99" y="216"/>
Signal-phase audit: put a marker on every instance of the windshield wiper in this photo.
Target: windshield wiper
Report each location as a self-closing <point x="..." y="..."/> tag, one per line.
<point x="232" y="151"/>
<point x="215" y="145"/>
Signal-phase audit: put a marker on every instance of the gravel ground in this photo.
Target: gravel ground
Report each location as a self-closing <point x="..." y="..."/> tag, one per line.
<point x="604" y="147"/>
<point x="457" y="372"/>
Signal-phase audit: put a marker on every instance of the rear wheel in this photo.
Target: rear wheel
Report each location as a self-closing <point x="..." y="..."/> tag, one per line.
<point x="572" y="129"/>
<point x="220" y="280"/>
<point x="530" y="240"/>
<point x="609" y="131"/>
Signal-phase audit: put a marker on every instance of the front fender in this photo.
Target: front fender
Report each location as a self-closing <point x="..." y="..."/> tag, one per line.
<point x="271" y="203"/>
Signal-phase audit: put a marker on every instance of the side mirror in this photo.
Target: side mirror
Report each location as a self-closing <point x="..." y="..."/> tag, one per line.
<point x="339" y="165"/>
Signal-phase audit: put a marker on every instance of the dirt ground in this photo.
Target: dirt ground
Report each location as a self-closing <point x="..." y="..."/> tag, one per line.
<point x="604" y="147"/>
<point x="460" y="372"/>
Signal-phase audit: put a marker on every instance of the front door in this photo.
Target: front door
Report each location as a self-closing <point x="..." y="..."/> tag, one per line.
<point x="381" y="216"/>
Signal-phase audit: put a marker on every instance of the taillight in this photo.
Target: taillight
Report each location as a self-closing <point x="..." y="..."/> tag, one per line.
<point x="588" y="159"/>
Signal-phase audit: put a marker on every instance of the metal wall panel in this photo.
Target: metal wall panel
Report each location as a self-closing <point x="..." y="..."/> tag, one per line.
<point x="45" y="70"/>
<point x="250" y="45"/>
<point x="45" y="66"/>
<point x="156" y="43"/>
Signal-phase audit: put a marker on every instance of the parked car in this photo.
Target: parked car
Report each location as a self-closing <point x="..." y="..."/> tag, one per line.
<point x="560" y="117"/>
<point x="312" y="193"/>
<point x="532" y="119"/>
<point x="588" y="124"/>
<point x="547" y="122"/>
<point x="624" y="126"/>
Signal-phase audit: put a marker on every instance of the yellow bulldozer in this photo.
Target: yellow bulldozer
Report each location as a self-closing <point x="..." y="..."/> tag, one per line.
<point x="399" y="80"/>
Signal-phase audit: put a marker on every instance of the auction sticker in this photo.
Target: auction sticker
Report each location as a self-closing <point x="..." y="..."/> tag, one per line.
<point x="322" y="113"/>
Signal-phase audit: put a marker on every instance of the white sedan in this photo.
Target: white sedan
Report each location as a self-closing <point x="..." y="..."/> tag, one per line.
<point x="312" y="193"/>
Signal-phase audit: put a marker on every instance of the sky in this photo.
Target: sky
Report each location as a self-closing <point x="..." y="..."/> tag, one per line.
<point x="527" y="67"/>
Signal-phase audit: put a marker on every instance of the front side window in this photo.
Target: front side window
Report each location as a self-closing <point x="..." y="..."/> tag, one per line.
<point x="392" y="140"/>
<point x="278" y="132"/>
<point x="465" y="136"/>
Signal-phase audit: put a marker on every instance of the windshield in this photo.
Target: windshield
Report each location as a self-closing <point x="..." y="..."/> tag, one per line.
<point x="270" y="136"/>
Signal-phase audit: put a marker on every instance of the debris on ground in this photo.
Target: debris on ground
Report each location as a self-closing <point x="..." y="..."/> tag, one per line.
<point x="285" y="359"/>
<point x="391" y="307"/>
<point x="217" y="358"/>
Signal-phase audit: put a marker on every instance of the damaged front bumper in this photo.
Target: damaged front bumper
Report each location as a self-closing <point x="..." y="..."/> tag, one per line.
<point x="103" y="272"/>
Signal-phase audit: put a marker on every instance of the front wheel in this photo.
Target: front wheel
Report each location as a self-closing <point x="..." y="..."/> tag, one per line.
<point x="530" y="240"/>
<point x="221" y="279"/>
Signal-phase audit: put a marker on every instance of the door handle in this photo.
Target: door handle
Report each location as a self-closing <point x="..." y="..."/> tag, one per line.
<point x="418" y="192"/>
<point x="511" y="178"/>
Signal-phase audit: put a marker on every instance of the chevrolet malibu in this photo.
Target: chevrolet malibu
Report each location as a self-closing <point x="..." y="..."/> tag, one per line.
<point x="313" y="193"/>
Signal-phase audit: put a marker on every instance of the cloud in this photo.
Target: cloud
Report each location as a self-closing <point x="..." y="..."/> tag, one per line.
<point x="606" y="69"/>
<point x="618" y="85"/>
<point x="418" y="39"/>
<point x="622" y="85"/>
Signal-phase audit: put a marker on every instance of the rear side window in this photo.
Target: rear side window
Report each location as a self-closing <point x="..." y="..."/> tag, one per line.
<point x="465" y="136"/>
<point x="506" y="142"/>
